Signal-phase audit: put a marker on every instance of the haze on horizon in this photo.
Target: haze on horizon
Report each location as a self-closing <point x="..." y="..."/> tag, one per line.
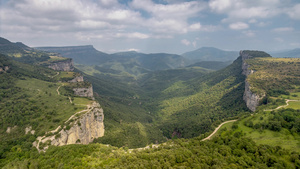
<point x="151" y="26"/>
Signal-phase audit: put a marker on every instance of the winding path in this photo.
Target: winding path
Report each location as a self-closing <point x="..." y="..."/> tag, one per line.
<point x="58" y="89"/>
<point x="209" y="137"/>
<point x="287" y="103"/>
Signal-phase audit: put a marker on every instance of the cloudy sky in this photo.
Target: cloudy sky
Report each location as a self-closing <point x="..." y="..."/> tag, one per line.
<point x="150" y="26"/>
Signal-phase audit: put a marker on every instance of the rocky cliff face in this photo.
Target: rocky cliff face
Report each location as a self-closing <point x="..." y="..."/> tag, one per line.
<point x="76" y="79"/>
<point x="65" y="65"/>
<point x="84" y="92"/>
<point x="84" y="130"/>
<point x="251" y="99"/>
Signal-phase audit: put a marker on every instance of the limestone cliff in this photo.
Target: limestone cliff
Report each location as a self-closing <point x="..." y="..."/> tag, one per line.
<point x="251" y="99"/>
<point x="76" y="79"/>
<point x="84" y="129"/>
<point x="84" y="91"/>
<point x="64" y="65"/>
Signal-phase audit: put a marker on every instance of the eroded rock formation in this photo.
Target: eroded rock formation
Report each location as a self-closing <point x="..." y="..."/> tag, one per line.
<point x="84" y="91"/>
<point x="84" y="129"/>
<point x="76" y="79"/>
<point x="64" y="65"/>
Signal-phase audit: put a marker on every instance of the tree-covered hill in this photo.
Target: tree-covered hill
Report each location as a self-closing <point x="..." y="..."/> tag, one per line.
<point x="210" y="54"/>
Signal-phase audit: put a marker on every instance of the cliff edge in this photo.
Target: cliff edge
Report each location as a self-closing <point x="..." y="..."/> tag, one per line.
<point x="251" y="99"/>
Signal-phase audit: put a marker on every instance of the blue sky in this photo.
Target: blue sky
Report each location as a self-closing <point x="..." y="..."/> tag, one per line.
<point x="151" y="26"/>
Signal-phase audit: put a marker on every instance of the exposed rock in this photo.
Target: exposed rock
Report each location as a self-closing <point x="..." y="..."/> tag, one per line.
<point x="251" y="99"/>
<point x="84" y="91"/>
<point x="4" y="69"/>
<point x="83" y="131"/>
<point x="64" y="65"/>
<point x="77" y="79"/>
<point x="28" y="129"/>
<point x="8" y="129"/>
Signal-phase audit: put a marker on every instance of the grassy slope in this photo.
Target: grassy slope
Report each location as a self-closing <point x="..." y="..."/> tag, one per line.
<point x="29" y="97"/>
<point x="273" y="75"/>
<point x="284" y="138"/>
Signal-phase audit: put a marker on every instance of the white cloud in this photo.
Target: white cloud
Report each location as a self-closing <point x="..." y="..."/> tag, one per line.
<point x="182" y="10"/>
<point x="185" y="42"/>
<point x="237" y="10"/>
<point x="238" y="26"/>
<point x="195" y="26"/>
<point x="135" y="35"/>
<point x="221" y="6"/>
<point x="294" y="12"/>
<point x="283" y="29"/>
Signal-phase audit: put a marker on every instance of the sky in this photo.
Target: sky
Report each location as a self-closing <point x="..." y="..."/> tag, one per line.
<point x="153" y="26"/>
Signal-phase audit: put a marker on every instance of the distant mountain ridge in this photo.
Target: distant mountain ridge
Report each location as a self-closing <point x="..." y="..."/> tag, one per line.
<point x="87" y="54"/>
<point x="131" y="62"/>
<point x="294" y="53"/>
<point x="211" y="54"/>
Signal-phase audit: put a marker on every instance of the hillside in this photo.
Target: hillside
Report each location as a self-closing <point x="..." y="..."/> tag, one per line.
<point x="294" y="53"/>
<point x="41" y="102"/>
<point x="210" y="54"/>
<point x="213" y="65"/>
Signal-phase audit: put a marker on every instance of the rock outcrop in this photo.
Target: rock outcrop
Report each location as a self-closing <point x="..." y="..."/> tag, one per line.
<point x="84" y="130"/>
<point x="4" y="69"/>
<point x="64" y="65"/>
<point x="76" y="79"/>
<point x="84" y="91"/>
<point x="251" y="99"/>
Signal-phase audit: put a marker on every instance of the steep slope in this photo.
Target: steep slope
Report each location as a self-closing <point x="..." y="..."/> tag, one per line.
<point x="210" y="54"/>
<point x="191" y="108"/>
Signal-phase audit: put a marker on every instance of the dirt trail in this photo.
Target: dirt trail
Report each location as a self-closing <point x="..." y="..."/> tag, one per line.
<point x="287" y="103"/>
<point x="57" y="90"/>
<point x="207" y="138"/>
<point x="55" y="75"/>
<point x="70" y="100"/>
